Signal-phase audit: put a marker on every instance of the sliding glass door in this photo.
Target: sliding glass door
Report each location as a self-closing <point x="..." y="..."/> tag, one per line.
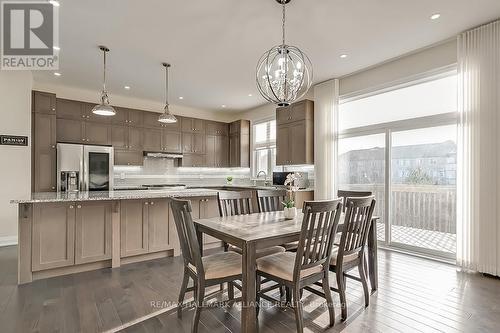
<point x="400" y="144"/>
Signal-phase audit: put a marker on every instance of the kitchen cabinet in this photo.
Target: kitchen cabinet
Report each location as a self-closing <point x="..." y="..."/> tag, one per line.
<point x="193" y="160"/>
<point x="128" y="157"/>
<point x="150" y="119"/>
<point x="129" y="117"/>
<point x="158" y="225"/>
<point x="89" y="116"/>
<point x="69" y="109"/>
<point x="53" y="235"/>
<point x="171" y="141"/>
<point x="43" y="102"/>
<point x="44" y="152"/>
<point x="126" y="137"/>
<point x="83" y="132"/>
<point x="193" y="143"/>
<point x="151" y="139"/>
<point x="239" y="144"/>
<point x="303" y="110"/>
<point x="217" y="151"/>
<point x="133" y="228"/>
<point x="216" y="128"/>
<point x="144" y="226"/>
<point x="193" y="125"/>
<point x="92" y="231"/>
<point x="295" y="134"/>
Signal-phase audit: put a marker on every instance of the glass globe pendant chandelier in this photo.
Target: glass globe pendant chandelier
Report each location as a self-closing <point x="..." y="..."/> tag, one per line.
<point x="104" y="109"/>
<point x="284" y="73"/>
<point x="166" y="117"/>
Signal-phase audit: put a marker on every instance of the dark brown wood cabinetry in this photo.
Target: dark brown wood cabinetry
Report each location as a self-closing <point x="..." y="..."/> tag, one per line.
<point x="295" y="134"/>
<point x="239" y="144"/>
<point x="130" y="132"/>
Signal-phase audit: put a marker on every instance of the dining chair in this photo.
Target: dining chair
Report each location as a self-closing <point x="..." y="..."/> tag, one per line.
<point x="344" y="194"/>
<point x="350" y="253"/>
<point x="205" y="271"/>
<point x="270" y="200"/>
<point x="311" y="261"/>
<point x="239" y="203"/>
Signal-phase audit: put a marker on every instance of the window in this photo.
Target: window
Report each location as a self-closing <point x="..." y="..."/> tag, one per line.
<point x="401" y="145"/>
<point x="264" y="145"/>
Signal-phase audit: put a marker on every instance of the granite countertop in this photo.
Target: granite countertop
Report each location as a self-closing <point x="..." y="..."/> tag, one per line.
<point x="114" y="195"/>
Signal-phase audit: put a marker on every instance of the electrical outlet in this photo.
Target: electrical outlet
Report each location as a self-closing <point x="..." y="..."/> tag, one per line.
<point x="122" y="175"/>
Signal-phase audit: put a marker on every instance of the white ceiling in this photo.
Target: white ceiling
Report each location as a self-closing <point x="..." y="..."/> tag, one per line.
<point x="214" y="45"/>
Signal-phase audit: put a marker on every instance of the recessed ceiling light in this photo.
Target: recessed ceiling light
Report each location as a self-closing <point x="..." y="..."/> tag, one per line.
<point x="223" y="105"/>
<point x="343" y="56"/>
<point x="250" y="95"/>
<point x="127" y="87"/>
<point x="57" y="74"/>
<point x="435" y="16"/>
<point x="180" y="97"/>
<point x="54" y="3"/>
<point x="57" y="48"/>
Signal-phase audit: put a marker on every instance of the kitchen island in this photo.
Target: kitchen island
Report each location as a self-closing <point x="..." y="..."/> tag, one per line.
<point x="64" y="233"/>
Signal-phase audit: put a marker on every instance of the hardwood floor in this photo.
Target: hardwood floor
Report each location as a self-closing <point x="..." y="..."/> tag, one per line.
<point x="416" y="295"/>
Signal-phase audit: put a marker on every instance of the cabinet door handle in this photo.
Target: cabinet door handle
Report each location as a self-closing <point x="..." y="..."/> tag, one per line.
<point x="79" y="206"/>
<point x="152" y="202"/>
<point x="53" y="109"/>
<point x="53" y="187"/>
<point x="83" y="116"/>
<point x="70" y="206"/>
<point x="53" y="147"/>
<point x="146" y="203"/>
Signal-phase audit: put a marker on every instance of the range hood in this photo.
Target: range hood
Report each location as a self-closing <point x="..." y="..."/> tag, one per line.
<point x="162" y="155"/>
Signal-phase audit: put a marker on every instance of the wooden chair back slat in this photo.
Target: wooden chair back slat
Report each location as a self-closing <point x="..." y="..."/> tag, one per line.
<point x="235" y="203"/>
<point x="181" y="210"/>
<point x="319" y="226"/>
<point x="344" y="194"/>
<point x="357" y="222"/>
<point x="270" y="200"/>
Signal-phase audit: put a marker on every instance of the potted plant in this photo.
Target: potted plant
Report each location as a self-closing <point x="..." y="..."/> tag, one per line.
<point x="289" y="203"/>
<point x="229" y="180"/>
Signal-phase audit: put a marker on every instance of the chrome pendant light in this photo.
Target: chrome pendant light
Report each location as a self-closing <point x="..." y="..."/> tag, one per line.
<point x="166" y="117"/>
<point x="104" y="109"/>
<point x="284" y="73"/>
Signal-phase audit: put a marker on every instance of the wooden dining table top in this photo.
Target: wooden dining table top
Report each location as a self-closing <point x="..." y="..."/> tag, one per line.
<point x="257" y="226"/>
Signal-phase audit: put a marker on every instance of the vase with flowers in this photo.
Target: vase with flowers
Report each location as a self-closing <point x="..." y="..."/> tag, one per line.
<point x="289" y="203"/>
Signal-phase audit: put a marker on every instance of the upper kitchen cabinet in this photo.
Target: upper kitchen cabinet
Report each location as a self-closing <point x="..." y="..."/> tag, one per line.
<point x="217" y="151"/>
<point x="303" y="110"/>
<point x="150" y="119"/>
<point x="216" y="128"/>
<point x="193" y="143"/>
<point x="69" y="109"/>
<point x="89" y="116"/>
<point x="239" y="144"/>
<point x="77" y="131"/>
<point x="128" y="117"/>
<point x="193" y="125"/>
<point x="295" y="134"/>
<point x="126" y="137"/>
<point x="43" y="102"/>
<point x="44" y="152"/>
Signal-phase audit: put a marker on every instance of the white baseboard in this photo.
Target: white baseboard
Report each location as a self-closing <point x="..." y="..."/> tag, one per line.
<point x="8" y="240"/>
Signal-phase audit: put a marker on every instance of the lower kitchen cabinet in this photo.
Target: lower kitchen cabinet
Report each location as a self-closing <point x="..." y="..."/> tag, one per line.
<point x="65" y="234"/>
<point x="93" y="231"/>
<point x="158" y="225"/>
<point x="144" y="226"/>
<point x="53" y="235"/>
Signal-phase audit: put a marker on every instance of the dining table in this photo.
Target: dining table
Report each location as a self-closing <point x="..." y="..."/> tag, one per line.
<point x="252" y="232"/>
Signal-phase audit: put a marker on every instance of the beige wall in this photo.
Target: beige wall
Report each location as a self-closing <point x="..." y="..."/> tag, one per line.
<point x="15" y="166"/>
<point x="131" y="102"/>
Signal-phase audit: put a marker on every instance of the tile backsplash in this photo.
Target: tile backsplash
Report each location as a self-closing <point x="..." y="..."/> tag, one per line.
<point x="166" y="171"/>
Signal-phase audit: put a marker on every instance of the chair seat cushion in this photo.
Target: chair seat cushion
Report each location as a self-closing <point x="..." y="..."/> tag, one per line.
<point x="347" y="258"/>
<point x="281" y="265"/>
<point x="220" y="265"/>
<point x="262" y="252"/>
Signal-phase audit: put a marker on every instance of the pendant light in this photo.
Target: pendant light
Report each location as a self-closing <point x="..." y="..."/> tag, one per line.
<point x="104" y="109"/>
<point x="284" y="73"/>
<point x="166" y="117"/>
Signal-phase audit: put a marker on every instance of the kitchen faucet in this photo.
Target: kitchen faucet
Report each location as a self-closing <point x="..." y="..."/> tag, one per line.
<point x="258" y="176"/>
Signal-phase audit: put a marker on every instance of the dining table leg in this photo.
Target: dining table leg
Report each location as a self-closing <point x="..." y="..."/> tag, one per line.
<point x="248" y="306"/>
<point x="372" y="256"/>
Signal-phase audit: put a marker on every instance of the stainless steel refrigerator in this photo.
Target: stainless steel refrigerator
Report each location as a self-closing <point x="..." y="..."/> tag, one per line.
<point x="84" y="167"/>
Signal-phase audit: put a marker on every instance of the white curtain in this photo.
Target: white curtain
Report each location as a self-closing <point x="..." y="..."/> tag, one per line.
<point x="326" y="102"/>
<point x="478" y="206"/>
